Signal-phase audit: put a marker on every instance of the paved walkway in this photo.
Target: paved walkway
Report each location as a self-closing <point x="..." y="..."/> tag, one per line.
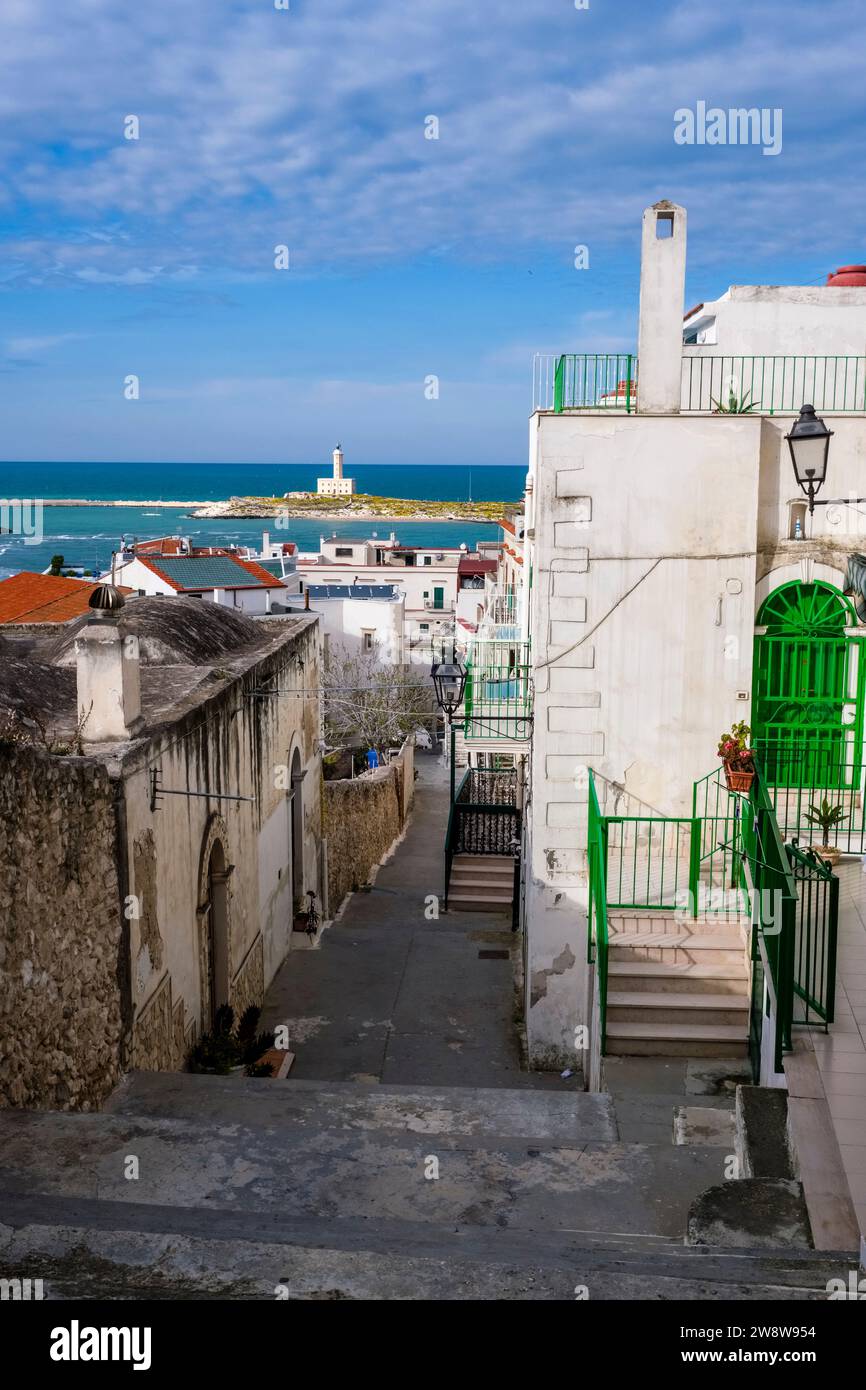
<point x="389" y="995"/>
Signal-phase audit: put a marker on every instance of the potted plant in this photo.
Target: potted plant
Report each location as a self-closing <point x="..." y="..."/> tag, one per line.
<point x="737" y="757"/>
<point x="827" y="817"/>
<point x="227" y="1049"/>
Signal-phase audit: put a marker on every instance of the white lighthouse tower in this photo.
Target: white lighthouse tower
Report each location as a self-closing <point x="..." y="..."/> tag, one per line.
<point x="336" y="486"/>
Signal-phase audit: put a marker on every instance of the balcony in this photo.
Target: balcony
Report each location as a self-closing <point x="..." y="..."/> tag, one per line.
<point x="711" y="384"/>
<point x="498" y="699"/>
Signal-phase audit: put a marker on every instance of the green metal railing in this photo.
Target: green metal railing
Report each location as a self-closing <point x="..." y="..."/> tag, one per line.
<point x="721" y="882"/>
<point x="801" y="775"/>
<point x="773" y="896"/>
<point x="595" y="381"/>
<point x="597" y="934"/>
<point x="728" y="858"/>
<point x="771" y="385"/>
<point x="652" y="862"/>
<point x="739" y="384"/>
<point x="498" y="696"/>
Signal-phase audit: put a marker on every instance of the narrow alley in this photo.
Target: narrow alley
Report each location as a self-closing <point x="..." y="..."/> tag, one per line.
<point x="395" y="995"/>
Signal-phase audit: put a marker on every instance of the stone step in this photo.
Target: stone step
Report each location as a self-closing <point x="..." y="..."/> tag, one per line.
<point x="636" y="1006"/>
<point x="671" y="978"/>
<point x="348" y="1105"/>
<point x="463" y="884"/>
<point x="217" y="1156"/>
<point x="676" y="1040"/>
<point x="718" y="948"/>
<point x="667" y="924"/>
<point x="497" y="873"/>
<point x="97" y="1250"/>
<point x="493" y="863"/>
<point x="480" y="901"/>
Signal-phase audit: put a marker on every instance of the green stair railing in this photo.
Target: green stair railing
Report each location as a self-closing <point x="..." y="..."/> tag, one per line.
<point x="597" y="935"/>
<point x="773" y="896"/>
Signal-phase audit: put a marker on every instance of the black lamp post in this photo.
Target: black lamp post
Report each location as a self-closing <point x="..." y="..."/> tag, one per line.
<point x="449" y="682"/>
<point x="809" y="442"/>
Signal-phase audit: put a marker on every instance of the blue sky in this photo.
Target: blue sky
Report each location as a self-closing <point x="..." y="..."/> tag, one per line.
<point x="409" y="257"/>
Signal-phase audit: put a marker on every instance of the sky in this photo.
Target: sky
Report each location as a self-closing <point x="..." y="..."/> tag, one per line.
<point x="409" y="258"/>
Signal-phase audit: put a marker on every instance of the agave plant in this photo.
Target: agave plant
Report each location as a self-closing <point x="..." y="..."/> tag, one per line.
<point x="228" y="1047"/>
<point x="736" y="405"/>
<point x="826" y="817"/>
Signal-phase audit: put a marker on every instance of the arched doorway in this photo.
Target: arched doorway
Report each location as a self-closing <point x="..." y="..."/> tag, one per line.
<point x="807" y="705"/>
<point x="296" y="829"/>
<point x="216" y="936"/>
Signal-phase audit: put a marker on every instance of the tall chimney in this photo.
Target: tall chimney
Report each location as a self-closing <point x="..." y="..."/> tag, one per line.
<point x="662" y="298"/>
<point x="108" y="673"/>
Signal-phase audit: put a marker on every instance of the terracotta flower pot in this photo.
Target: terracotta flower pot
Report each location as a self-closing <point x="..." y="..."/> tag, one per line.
<point x="738" y="779"/>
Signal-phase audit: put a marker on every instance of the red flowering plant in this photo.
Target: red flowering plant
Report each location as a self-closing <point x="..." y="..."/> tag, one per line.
<point x="734" y="748"/>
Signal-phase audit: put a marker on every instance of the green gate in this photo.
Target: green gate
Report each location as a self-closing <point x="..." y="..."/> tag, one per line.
<point x="802" y="689"/>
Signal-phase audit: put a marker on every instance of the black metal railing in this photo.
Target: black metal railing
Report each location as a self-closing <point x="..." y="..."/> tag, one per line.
<point x="484" y="819"/>
<point x="816" y="926"/>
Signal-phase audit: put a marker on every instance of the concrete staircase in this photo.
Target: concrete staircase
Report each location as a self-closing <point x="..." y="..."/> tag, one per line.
<point x="481" y="883"/>
<point x="253" y="1189"/>
<point x="677" y="987"/>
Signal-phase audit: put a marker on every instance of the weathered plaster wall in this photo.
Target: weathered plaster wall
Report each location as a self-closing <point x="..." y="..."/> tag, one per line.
<point x="642" y="622"/>
<point x="240" y="745"/>
<point x="62" y="953"/>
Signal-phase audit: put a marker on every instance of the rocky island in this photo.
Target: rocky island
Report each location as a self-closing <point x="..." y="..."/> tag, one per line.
<point x="355" y="506"/>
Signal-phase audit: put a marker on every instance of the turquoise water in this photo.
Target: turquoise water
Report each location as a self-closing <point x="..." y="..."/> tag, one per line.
<point x="87" y="535"/>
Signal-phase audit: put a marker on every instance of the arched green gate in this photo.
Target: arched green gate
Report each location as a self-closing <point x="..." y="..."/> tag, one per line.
<point x="807" y="705"/>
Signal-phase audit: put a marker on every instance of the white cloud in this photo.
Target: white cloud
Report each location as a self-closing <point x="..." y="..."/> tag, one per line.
<point x="306" y="127"/>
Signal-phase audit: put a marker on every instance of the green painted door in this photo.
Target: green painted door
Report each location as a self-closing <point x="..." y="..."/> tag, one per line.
<point x="438" y="596"/>
<point x="802" y="702"/>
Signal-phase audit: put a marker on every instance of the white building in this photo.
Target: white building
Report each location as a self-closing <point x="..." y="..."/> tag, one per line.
<point x="219" y="577"/>
<point x="336" y="486"/>
<point x="666" y="581"/>
<point x="429" y="579"/>
<point x="358" y="619"/>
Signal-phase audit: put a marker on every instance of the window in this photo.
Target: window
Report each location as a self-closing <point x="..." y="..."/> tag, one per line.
<point x="424" y="627"/>
<point x="368" y="640"/>
<point x="428" y="559"/>
<point x="343" y="551"/>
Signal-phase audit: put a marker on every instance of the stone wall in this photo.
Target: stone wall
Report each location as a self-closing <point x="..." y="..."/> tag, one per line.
<point x="62" y="939"/>
<point x="361" y="820"/>
<point x="159" y="1042"/>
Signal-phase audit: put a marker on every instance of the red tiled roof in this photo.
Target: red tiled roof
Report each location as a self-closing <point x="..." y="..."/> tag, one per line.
<point x="164" y="545"/>
<point x="44" y="598"/>
<point x="469" y="566"/>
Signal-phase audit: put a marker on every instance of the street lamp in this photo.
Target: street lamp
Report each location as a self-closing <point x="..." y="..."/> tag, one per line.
<point x="809" y="442"/>
<point x="449" y="682"/>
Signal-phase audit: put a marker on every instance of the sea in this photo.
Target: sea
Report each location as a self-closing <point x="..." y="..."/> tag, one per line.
<point x="86" y="536"/>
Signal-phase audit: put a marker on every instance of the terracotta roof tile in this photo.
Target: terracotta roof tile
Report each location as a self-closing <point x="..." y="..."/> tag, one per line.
<point x="44" y="598"/>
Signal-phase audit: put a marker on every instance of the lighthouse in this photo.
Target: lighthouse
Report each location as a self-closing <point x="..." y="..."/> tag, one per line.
<point x="336" y="486"/>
